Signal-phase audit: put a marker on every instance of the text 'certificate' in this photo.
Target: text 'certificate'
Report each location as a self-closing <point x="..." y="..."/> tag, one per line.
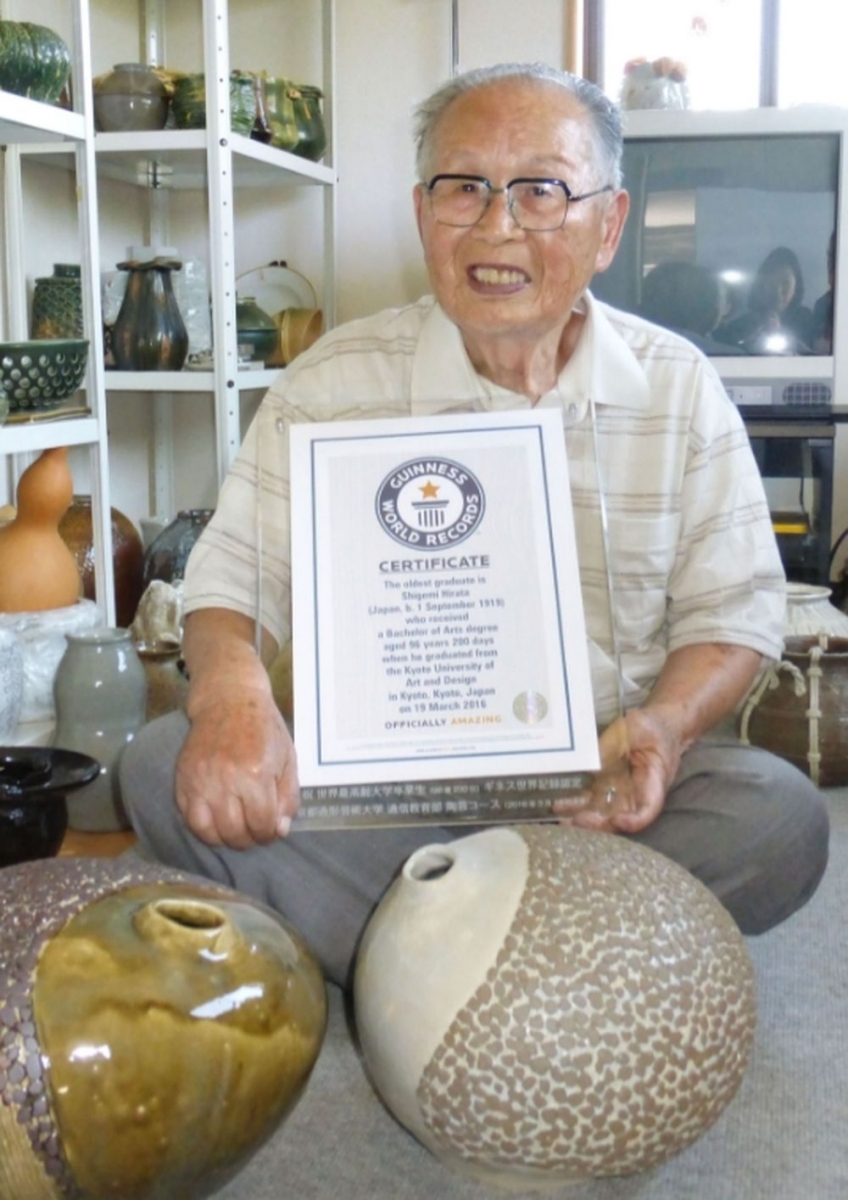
<point x="437" y="618"/>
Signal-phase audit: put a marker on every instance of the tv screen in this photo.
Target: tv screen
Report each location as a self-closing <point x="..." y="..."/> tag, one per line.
<point x="731" y="240"/>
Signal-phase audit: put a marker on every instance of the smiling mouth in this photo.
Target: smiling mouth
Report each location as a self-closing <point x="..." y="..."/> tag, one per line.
<point x="498" y="276"/>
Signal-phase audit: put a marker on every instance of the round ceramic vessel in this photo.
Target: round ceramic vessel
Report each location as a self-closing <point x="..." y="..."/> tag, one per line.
<point x="42" y="373"/>
<point x="155" y="1030"/>
<point x="130" y="97"/>
<point x="540" y="1005"/>
<point x="799" y="710"/>
<point x="34" y="783"/>
<point x="101" y="696"/>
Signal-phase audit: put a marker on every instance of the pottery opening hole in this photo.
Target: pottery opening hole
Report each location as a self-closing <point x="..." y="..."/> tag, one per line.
<point x="191" y="914"/>
<point x="430" y="863"/>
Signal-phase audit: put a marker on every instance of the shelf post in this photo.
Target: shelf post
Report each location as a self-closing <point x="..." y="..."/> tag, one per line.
<point x="222" y="269"/>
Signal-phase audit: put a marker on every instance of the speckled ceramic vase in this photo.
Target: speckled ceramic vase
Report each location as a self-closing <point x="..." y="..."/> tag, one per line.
<point x="541" y="1005"/>
<point x="100" y="691"/>
<point x="154" y="1031"/>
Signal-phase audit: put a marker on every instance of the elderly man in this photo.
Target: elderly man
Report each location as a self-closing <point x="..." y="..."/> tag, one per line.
<point x="518" y="205"/>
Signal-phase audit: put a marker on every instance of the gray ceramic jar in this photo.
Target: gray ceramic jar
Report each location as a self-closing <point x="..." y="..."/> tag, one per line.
<point x="131" y="97"/>
<point x="100" y="691"/>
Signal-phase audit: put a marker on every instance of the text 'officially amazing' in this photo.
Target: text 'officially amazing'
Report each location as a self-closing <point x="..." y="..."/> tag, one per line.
<point x="402" y="566"/>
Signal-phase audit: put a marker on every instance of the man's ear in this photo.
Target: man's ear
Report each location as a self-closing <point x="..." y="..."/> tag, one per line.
<point x="613" y="225"/>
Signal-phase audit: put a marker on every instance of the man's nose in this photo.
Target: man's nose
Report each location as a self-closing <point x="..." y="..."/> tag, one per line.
<point x="497" y="216"/>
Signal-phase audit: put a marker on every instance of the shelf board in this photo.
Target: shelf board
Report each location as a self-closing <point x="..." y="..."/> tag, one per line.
<point x="23" y="120"/>
<point x="176" y="158"/>
<point x="36" y="434"/>
<point x="184" y="381"/>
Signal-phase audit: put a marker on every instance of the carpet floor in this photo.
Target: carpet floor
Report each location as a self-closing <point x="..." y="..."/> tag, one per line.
<point x="782" y="1138"/>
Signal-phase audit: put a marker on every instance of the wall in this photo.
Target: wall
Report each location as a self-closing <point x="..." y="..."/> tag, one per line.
<point x="392" y="54"/>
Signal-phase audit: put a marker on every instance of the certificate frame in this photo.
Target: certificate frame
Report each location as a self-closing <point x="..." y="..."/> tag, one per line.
<point x="485" y="740"/>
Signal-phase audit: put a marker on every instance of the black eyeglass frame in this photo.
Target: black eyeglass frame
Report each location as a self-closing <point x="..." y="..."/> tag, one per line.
<point x="570" y="198"/>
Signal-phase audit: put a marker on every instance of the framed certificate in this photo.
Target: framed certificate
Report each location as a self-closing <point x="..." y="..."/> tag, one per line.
<point x="438" y="627"/>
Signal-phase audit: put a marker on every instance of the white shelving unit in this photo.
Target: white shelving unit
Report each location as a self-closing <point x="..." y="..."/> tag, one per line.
<point x="27" y="126"/>
<point x="217" y="163"/>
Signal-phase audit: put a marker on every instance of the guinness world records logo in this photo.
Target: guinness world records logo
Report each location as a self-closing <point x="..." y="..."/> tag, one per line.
<point x="429" y="502"/>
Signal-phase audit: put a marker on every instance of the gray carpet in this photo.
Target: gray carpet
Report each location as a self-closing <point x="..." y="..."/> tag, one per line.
<point x="784" y="1137"/>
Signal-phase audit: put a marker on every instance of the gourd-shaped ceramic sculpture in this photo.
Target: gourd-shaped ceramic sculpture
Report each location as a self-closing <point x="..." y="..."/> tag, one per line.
<point x="37" y="570"/>
<point x="155" y="1029"/>
<point x="542" y="1004"/>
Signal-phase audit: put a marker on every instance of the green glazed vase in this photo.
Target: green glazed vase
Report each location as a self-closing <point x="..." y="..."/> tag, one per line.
<point x="312" y="136"/>
<point x="189" y="102"/>
<point x="149" y="333"/>
<point x="57" y="304"/>
<point x="257" y="331"/>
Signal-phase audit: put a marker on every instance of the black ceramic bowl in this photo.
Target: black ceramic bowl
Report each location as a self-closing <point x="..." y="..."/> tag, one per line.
<point x="33" y="785"/>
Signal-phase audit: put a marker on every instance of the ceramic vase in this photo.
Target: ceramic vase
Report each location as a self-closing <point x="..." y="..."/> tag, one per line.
<point x="167" y="555"/>
<point x="799" y="709"/>
<point x="542" y="1004"/>
<point x="132" y="97"/>
<point x="155" y="1030"/>
<point x="101" y="697"/>
<point x="809" y="612"/>
<point x="57" y="304"/>
<point x="279" y="96"/>
<point x="312" y="136"/>
<point x="189" y="102"/>
<point x="257" y="331"/>
<point x="166" y="680"/>
<point x="76" y="530"/>
<point x="149" y="333"/>
<point x="37" y="570"/>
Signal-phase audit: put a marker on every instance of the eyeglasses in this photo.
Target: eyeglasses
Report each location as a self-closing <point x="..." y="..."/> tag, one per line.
<point x="537" y="205"/>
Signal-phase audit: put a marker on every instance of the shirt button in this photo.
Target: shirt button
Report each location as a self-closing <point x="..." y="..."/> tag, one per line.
<point x="572" y="411"/>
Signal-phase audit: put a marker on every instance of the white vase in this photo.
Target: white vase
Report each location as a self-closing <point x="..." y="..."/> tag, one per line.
<point x="540" y="1005"/>
<point x="11" y="683"/>
<point x="809" y="612"/>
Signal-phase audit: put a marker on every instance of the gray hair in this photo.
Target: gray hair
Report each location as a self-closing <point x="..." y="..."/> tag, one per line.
<point x="602" y="112"/>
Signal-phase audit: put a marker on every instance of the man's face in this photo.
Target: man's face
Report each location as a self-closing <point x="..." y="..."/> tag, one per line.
<point x="493" y="278"/>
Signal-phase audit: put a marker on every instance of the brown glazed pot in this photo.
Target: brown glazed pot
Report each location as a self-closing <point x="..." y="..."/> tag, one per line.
<point x="155" y="1030"/>
<point x="76" y="531"/>
<point x="799" y="710"/>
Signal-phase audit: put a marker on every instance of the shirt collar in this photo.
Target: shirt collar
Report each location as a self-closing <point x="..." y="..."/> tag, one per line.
<point x="602" y="366"/>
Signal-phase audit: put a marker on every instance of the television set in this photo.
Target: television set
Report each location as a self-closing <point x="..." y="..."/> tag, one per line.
<point x="731" y="212"/>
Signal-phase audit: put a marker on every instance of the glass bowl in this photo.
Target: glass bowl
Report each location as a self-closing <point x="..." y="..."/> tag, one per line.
<point x="39" y="375"/>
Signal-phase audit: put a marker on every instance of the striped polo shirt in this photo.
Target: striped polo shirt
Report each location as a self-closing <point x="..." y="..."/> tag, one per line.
<point x="673" y="529"/>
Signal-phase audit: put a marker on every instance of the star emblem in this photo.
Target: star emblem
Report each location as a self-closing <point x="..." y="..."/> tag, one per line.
<point x="429" y="491"/>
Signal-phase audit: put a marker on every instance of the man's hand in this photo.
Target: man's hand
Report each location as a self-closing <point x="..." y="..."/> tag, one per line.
<point x="236" y="775"/>
<point x="641" y="751"/>
<point x="640" y="754"/>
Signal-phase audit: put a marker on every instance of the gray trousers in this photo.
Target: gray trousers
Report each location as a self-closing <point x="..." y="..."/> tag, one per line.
<point x="744" y="822"/>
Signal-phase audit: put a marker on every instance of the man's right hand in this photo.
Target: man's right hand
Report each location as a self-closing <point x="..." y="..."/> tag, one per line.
<point x="236" y="775"/>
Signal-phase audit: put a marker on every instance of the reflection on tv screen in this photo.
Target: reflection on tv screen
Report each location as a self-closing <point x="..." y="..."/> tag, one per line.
<point x="730" y="241"/>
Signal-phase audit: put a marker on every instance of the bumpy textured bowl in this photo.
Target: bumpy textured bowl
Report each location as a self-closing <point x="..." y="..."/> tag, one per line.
<point x="39" y="375"/>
